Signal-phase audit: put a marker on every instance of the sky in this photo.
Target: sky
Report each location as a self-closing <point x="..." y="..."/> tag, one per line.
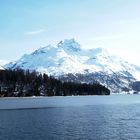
<point x="26" y="25"/>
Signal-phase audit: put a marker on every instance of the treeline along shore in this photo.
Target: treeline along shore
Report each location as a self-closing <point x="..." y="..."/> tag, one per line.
<point x="20" y="83"/>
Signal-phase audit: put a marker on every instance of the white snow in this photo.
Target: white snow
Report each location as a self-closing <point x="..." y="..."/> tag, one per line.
<point x="69" y="57"/>
<point x="2" y="63"/>
<point x="1" y="68"/>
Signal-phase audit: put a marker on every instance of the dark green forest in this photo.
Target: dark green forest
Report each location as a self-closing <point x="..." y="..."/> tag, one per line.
<point x="20" y="83"/>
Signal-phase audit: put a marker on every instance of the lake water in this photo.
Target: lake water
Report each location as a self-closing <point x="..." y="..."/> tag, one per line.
<point x="115" y="117"/>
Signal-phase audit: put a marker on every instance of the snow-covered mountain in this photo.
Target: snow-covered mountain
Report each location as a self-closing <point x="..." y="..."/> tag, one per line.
<point x="1" y="68"/>
<point x="2" y="62"/>
<point x="68" y="61"/>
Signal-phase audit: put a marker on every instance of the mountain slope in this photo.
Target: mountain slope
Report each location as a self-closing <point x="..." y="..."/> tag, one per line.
<point x="68" y="61"/>
<point x="2" y="62"/>
<point x="1" y="68"/>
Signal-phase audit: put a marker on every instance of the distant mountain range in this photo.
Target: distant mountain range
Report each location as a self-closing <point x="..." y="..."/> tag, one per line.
<point x="69" y="62"/>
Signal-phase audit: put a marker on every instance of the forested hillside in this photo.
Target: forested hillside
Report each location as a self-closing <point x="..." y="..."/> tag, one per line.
<point x="20" y="83"/>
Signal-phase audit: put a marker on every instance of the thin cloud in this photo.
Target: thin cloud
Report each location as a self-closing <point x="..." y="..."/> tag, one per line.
<point x="36" y="32"/>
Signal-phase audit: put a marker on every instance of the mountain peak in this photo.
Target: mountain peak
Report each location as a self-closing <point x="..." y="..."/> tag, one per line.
<point x="69" y="44"/>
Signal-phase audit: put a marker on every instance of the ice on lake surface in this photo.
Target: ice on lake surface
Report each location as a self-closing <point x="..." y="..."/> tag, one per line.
<point x="115" y="117"/>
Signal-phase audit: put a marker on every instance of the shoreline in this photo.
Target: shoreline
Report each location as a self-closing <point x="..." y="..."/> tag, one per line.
<point x="42" y="97"/>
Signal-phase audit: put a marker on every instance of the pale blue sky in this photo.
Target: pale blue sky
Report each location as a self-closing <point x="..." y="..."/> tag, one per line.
<point x="25" y="25"/>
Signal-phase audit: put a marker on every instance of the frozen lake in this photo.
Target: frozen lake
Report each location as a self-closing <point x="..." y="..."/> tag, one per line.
<point x="71" y="118"/>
